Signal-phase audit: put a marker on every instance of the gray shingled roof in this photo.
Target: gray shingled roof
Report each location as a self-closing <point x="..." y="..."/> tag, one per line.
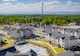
<point x="71" y="30"/>
<point x="6" y="29"/>
<point x="24" y="25"/>
<point x="68" y="53"/>
<point x="57" y="35"/>
<point x="14" y="33"/>
<point x="18" y="33"/>
<point x="27" y="31"/>
<point x="77" y="55"/>
<point x="48" y="28"/>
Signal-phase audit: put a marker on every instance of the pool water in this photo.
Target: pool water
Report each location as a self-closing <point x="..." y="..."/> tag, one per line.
<point x="38" y="51"/>
<point x="35" y="50"/>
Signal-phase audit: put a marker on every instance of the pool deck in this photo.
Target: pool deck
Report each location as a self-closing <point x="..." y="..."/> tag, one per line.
<point x="39" y="50"/>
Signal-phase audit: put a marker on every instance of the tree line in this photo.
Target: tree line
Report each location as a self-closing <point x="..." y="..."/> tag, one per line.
<point x="46" y="19"/>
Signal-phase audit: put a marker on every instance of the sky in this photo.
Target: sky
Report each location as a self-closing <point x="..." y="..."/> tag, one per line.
<point x="35" y="6"/>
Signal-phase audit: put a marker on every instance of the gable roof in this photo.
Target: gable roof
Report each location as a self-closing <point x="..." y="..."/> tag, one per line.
<point x="57" y="35"/>
<point x="72" y="30"/>
<point x="48" y="28"/>
<point x="26" y="29"/>
<point x="19" y="33"/>
<point x="24" y="25"/>
<point x="14" y="33"/>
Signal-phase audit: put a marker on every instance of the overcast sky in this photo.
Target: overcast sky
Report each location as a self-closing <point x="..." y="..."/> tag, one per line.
<point x="34" y="6"/>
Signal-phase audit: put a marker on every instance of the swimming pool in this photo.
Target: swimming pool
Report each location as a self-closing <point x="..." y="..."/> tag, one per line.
<point x="38" y="51"/>
<point x="26" y="49"/>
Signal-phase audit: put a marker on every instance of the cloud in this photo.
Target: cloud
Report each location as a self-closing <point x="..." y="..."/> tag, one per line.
<point x="51" y="6"/>
<point x="8" y="0"/>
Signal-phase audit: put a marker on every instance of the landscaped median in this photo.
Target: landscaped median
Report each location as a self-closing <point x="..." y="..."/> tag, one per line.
<point x="53" y="50"/>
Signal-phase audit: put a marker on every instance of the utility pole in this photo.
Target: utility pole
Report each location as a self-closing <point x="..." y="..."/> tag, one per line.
<point x="42" y="9"/>
<point x="41" y="13"/>
<point x="41" y="16"/>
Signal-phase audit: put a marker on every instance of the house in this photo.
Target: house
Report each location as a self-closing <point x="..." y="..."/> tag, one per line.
<point x="56" y="28"/>
<point x="71" y="32"/>
<point x="14" y="33"/>
<point x="6" y="29"/>
<point x="26" y="32"/>
<point x="50" y="29"/>
<point x="19" y="33"/>
<point x="69" y="53"/>
<point x="37" y="24"/>
<point x="59" y="38"/>
<point x="75" y="48"/>
<point x="47" y="29"/>
<point x="24" y="25"/>
<point x="72" y="24"/>
<point x="62" y="40"/>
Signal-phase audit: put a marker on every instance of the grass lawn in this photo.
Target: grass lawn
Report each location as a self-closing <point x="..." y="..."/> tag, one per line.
<point x="8" y="45"/>
<point x="43" y="40"/>
<point x="0" y="46"/>
<point x="60" y="50"/>
<point x="1" y="27"/>
<point x="57" y="49"/>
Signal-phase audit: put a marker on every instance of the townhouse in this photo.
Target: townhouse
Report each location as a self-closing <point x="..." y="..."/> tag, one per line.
<point x="19" y="33"/>
<point x="67" y="31"/>
<point x="69" y="53"/>
<point x="62" y="40"/>
<point x="71" y="32"/>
